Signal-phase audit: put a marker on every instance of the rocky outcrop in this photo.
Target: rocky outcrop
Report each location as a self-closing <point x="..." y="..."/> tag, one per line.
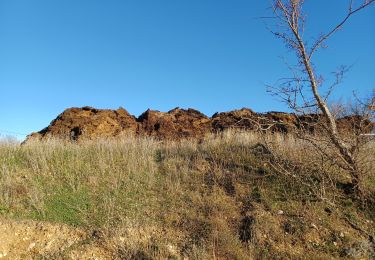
<point x="355" y="124"/>
<point x="90" y="123"/>
<point x="273" y="121"/>
<point x="241" y="119"/>
<point x="175" y="124"/>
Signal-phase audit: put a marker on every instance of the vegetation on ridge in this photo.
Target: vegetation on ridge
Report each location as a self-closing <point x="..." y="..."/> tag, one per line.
<point x="227" y="196"/>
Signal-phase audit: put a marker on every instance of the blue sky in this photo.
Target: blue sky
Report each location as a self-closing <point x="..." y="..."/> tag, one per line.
<point x="212" y="55"/>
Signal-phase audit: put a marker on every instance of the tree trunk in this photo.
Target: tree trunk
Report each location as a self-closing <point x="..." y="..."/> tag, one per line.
<point x="343" y="148"/>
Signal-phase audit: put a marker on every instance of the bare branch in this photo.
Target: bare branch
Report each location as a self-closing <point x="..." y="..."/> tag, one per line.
<point x="339" y="76"/>
<point x="293" y="90"/>
<point x="351" y="12"/>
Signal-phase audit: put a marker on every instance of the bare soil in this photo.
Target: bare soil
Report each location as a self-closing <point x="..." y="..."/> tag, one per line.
<point x="31" y="240"/>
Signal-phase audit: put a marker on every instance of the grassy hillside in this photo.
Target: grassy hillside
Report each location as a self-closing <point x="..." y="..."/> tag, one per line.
<point x="234" y="196"/>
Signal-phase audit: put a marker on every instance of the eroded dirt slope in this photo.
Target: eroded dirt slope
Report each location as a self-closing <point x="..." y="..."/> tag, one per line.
<point x="40" y="240"/>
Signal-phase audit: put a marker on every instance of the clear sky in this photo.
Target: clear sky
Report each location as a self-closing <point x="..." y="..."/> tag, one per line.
<point x="212" y="55"/>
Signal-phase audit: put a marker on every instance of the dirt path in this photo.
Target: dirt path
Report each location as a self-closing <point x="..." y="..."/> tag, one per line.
<point x="31" y="240"/>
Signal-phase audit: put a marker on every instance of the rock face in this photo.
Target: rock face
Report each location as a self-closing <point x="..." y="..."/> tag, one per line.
<point x="89" y="123"/>
<point x="175" y="124"/>
<point x="355" y="124"/>
<point x="242" y="119"/>
<point x="247" y="119"/>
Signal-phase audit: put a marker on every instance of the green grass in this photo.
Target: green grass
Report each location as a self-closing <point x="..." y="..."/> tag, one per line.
<point x="65" y="206"/>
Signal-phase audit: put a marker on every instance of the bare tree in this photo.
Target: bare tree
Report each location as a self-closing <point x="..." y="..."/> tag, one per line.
<point x="302" y="91"/>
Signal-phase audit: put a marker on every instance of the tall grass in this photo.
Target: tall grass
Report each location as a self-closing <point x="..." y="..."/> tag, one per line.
<point x="220" y="198"/>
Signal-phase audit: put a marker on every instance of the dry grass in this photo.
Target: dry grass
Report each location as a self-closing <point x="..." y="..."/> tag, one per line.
<point x="226" y="197"/>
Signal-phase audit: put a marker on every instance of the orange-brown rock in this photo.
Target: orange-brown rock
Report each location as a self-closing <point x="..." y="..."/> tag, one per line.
<point x="355" y="124"/>
<point x="247" y="119"/>
<point x="279" y="121"/>
<point x="89" y="123"/>
<point x="241" y="119"/>
<point x="175" y="124"/>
